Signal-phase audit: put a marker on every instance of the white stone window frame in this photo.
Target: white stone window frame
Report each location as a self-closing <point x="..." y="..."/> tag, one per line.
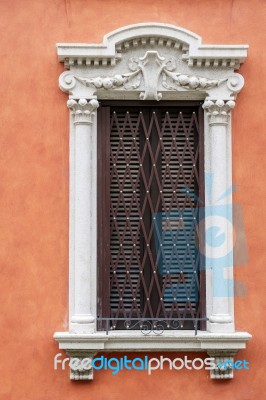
<point x="149" y="61"/>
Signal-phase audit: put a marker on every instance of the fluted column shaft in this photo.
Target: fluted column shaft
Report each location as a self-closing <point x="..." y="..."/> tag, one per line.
<point x="219" y="218"/>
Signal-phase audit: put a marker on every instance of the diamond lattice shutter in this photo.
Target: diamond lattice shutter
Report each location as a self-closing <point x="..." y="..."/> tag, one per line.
<point x="151" y="164"/>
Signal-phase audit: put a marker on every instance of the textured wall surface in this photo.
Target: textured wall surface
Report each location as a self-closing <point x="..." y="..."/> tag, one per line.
<point x="34" y="192"/>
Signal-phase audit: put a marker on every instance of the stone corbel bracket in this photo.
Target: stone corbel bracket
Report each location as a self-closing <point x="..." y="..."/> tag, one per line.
<point x="80" y="365"/>
<point x="223" y="364"/>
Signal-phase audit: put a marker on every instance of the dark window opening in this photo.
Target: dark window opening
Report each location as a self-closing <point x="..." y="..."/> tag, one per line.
<point x="150" y="196"/>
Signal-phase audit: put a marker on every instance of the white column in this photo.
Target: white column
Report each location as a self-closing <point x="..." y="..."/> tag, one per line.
<point x="218" y="219"/>
<point x="83" y="215"/>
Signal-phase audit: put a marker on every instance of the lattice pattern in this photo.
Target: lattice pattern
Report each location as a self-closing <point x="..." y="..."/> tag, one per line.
<point x="154" y="180"/>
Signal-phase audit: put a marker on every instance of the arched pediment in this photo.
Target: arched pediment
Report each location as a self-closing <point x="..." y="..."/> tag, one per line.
<point x="151" y="61"/>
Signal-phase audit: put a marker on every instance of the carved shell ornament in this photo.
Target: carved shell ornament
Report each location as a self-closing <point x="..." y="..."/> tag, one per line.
<point x="149" y="69"/>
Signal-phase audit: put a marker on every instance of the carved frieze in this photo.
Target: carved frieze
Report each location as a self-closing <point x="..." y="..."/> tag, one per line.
<point x="148" y="70"/>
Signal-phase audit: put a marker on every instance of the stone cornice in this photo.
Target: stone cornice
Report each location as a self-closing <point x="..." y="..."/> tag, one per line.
<point x="152" y="34"/>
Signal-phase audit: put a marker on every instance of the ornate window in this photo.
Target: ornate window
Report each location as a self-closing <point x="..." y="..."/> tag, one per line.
<point x="137" y="100"/>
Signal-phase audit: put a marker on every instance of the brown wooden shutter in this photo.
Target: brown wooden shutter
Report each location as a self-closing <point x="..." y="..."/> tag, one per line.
<point x="150" y="178"/>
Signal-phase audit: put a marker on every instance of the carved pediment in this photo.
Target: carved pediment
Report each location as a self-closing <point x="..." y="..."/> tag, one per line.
<point x="152" y="60"/>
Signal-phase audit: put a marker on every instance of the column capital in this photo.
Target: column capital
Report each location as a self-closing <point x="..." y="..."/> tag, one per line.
<point x="83" y="110"/>
<point x="218" y="111"/>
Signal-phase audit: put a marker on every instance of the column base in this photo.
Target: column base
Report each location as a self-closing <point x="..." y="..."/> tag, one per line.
<point x="215" y="327"/>
<point x="82" y="323"/>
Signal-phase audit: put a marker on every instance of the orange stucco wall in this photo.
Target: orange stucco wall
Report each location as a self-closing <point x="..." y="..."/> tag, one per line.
<point x="34" y="192"/>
